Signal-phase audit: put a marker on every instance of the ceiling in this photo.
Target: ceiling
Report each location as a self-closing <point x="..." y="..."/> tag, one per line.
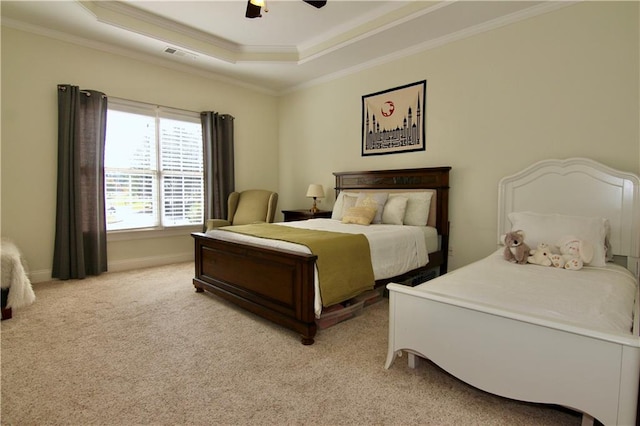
<point x="292" y="45"/>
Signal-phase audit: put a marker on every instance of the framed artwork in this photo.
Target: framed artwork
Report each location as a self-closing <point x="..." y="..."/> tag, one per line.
<point x="393" y="120"/>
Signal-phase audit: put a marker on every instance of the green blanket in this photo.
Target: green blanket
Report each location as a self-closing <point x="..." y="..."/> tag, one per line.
<point x="344" y="260"/>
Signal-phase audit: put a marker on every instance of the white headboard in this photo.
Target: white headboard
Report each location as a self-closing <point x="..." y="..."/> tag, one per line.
<point x="579" y="187"/>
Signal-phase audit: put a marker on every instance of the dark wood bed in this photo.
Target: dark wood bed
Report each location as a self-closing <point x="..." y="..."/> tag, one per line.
<point x="279" y="284"/>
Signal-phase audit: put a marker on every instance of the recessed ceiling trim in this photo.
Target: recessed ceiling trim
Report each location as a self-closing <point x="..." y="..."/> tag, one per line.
<point x="111" y="16"/>
<point x="441" y="41"/>
<point x="120" y="8"/>
<point x="140" y="22"/>
<point x="361" y="22"/>
<point x="370" y="28"/>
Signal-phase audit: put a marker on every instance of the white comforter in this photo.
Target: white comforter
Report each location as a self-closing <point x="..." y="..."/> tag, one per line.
<point x="394" y="249"/>
<point x="14" y="276"/>
<point x="595" y="298"/>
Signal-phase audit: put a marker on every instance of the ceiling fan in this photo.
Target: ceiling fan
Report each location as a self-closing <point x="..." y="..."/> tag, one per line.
<point x="254" y="7"/>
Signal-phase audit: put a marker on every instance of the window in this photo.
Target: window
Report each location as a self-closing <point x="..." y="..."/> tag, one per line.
<point x="153" y="167"/>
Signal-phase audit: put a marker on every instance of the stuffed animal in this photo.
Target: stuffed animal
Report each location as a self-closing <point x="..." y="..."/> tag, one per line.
<point x="515" y="249"/>
<point x="541" y="255"/>
<point x="575" y="252"/>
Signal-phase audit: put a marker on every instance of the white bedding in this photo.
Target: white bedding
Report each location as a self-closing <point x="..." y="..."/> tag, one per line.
<point x="14" y="276"/>
<point x="597" y="298"/>
<point x="395" y="249"/>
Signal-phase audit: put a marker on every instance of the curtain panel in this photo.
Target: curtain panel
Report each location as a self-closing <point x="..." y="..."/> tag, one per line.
<point x="219" y="180"/>
<point x="81" y="232"/>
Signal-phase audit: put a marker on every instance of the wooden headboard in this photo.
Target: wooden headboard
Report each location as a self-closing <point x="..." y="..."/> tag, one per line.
<point x="432" y="178"/>
<point x="435" y="178"/>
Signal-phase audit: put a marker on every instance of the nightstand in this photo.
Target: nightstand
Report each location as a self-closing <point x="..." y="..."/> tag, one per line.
<point x="291" y="215"/>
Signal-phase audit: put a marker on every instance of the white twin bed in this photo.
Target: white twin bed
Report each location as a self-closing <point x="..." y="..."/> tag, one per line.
<point x="537" y="333"/>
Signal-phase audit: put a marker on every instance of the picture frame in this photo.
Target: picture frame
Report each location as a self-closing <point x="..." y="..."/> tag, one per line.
<point x="393" y="120"/>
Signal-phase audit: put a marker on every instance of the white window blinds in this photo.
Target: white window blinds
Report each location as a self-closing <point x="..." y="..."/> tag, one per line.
<point x="153" y="167"/>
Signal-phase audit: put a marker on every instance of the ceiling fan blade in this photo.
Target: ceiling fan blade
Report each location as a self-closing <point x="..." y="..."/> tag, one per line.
<point x="315" y="3"/>
<point x="253" y="11"/>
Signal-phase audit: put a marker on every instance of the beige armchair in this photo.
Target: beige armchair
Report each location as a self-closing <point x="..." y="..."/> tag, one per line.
<point x="250" y="206"/>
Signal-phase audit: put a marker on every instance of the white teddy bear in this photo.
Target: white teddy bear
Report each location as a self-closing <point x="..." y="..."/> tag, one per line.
<point x="541" y="255"/>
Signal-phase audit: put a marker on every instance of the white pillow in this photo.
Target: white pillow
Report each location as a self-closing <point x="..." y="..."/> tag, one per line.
<point x="338" y="206"/>
<point x="418" y="205"/>
<point x="394" y="210"/>
<point x="376" y="200"/>
<point x="550" y="228"/>
<point x="348" y="201"/>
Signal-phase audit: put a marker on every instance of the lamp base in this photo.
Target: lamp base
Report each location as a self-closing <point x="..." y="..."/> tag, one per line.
<point x="315" y="208"/>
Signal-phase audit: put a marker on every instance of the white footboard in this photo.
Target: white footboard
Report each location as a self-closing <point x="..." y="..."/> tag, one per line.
<point x="517" y="356"/>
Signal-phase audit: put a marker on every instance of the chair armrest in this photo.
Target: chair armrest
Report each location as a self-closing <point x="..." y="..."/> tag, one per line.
<point x="216" y="223"/>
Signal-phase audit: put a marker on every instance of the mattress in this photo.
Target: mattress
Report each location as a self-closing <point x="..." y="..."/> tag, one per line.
<point x="596" y="298"/>
<point x="395" y="249"/>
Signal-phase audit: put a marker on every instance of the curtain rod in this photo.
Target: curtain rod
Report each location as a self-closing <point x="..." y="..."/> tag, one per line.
<point x="86" y="92"/>
<point x="154" y="105"/>
<point x="163" y="106"/>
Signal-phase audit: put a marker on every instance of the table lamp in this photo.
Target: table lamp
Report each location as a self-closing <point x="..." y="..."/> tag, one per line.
<point x="315" y="191"/>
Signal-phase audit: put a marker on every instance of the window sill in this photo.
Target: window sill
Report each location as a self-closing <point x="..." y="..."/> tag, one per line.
<point x="140" y="234"/>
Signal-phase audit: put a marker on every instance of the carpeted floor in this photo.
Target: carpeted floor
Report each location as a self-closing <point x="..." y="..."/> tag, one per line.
<point x="141" y="347"/>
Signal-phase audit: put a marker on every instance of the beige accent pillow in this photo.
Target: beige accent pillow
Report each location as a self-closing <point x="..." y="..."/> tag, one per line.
<point x="360" y="215"/>
<point x="375" y="200"/>
<point x="394" y="209"/>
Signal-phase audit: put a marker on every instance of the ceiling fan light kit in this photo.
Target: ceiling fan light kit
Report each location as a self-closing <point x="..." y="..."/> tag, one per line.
<point x="314" y="3"/>
<point x="253" y="11"/>
<point x="254" y="7"/>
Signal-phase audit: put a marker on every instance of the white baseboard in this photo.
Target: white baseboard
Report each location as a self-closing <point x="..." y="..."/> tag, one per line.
<point x="123" y="265"/>
<point x="40" y="275"/>
<point x="146" y="262"/>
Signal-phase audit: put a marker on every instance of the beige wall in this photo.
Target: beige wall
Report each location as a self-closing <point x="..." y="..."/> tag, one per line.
<point x="32" y="66"/>
<point x="559" y="85"/>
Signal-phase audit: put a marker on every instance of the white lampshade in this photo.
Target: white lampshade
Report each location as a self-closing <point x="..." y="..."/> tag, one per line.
<point x="315" y="190"/>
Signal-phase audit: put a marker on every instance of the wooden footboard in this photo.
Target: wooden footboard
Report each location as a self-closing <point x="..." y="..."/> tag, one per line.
<point x="275" y="284"/>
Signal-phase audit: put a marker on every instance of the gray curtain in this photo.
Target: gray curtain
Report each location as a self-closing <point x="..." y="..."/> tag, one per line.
<point x="219" y="181"/>
<point x="81" y="233"/>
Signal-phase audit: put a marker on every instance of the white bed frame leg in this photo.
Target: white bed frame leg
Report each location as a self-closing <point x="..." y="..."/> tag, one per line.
<point x="587" y="420"/>
<point x="412" y="360"/>
<point x="391" y="356"/>
<point x="391" y="352"/>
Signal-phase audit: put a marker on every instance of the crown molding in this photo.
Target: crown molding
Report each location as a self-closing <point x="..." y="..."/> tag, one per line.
<point x="267" y="58"/>
<point x="131" y="54"/>
<point x="438" y="42"/>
